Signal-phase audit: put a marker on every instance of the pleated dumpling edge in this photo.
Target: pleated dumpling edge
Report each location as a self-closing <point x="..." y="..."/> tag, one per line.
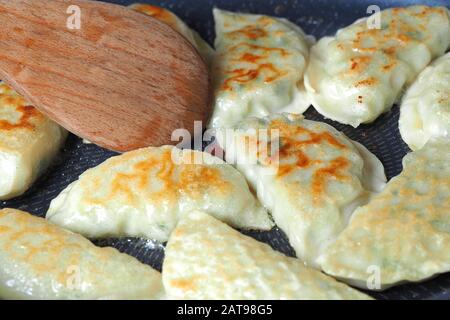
<point x="143" y="193"/>
<point x="310" y="176"/>
<point x="258" y="67"/>
<point x="363" y="70"/>
<point x="403" y="233"/>
<point x="39" y="260"/>
<point x="206" y="259"/>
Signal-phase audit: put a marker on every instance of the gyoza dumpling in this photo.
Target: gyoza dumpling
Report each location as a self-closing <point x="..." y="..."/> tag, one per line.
<point x="143" y="193"/>
<point x="177" y="24"/>
<point x="405" y="230"/>
<point x="360" y="73"/>
<point x="28" y="143"/>
<point x="206" y="259"/>
<point x="41" y="261"/>
<point x="311" y="182"/>
<point x="258" y="67"/>
<point x="425" y="109"/>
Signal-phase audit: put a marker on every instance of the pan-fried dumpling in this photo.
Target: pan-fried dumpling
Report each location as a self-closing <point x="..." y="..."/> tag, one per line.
<point x="143" y="193"/>
<point x="258" y="67"/>
<point x="361" y="72"/>
<point x="177" y="24"/>
<point x="29" y="142"/>
<point x="425" y="109"/>
<point x="405" y="230"/>
<point x="310" y="176"/>
<point x="206" y="259"/>
<point x="41" y="261"/>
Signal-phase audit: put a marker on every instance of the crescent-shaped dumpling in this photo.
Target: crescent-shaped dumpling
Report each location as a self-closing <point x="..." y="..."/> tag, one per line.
<point x="143" y="193"/>
<point x="177" y="24"/>
<point x="403" y="234"/>
<point x="363" y="70"/>
<point x="29" y="141"/>
<point x="425" y="108"/>
<point x="38" y="260"/>
<point x="258" y="67"/>
<point x="309" y="175"/>
<point x="206" y="259"/>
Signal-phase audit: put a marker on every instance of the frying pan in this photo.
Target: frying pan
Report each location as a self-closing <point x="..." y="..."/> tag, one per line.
<point x="316" y="17"/>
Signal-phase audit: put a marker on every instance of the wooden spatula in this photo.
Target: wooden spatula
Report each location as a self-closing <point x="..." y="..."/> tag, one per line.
<point x="123" y="80"/>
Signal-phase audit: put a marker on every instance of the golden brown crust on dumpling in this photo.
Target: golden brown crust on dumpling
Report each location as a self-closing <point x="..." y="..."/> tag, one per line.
<point x="38" y="260"/>
<point x="404" y="231"/>
<point x="206" y="259"/>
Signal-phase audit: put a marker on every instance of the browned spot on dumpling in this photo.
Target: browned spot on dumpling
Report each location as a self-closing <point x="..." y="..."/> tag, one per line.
<point x="358" y="64"/>
<point x="389" y="66"/>
<point x="183" y="284"/>
<point x="196" y="180"/>
<point x="250" y="58"/>
<point x="250" y="32"/>
<point x="390" y="51"/>
<point x="292" y="148"/>
<point x="398" y="30"/>
<point x="426" y="11"/>
<point x="156" y="12"/>
<point x="54" y="244"/>
<point x="366" y="82"/>
<point x="4" y="229"/>
<point x="360" y="99"/>
<point x="243" y="75"/>
<point x="258" y="58"/>
<point x="24" y="234"/>
<point x="443" y="99"/>
<point x="153" y="11"/>
<point x="29" y="115"/>
<point x="254" y="47"/>
<point x="173" y="180"/>
<point x="332" y="171"/>
<point x="25" y="120"/>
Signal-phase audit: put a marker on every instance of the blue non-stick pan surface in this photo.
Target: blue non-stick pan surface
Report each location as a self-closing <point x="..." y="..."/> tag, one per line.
<point x="316" y="17"/>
